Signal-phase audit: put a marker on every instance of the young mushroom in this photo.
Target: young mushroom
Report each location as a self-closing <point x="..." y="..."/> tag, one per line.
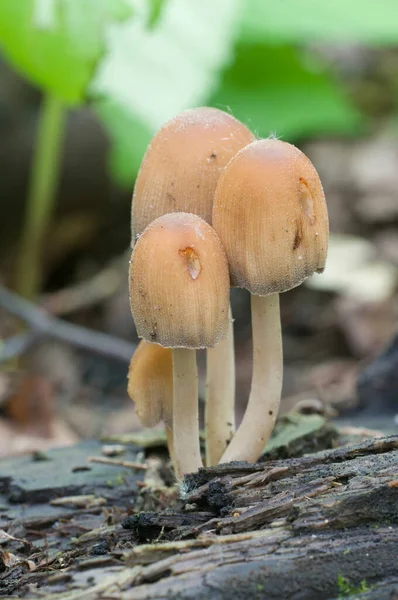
<point x="179" y="295"/>
<point x="150" y="386"/>
<point x="179" y="173"/>
<point x="271" y="215"/>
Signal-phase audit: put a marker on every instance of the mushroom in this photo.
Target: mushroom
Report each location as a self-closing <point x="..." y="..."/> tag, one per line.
<point x="150" y="386"/>
<point x="179" y="294"/>
<point x="183" y="163"/>
<point x="179" y="173"/>
<point x="270" y="213"/>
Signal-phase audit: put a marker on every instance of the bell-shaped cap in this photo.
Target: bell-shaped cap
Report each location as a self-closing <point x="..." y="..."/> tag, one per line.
<point x="271" y="215"/>
<point x="179" y="283"/>
<point x="150" y="383"/>
<point x="182" y="164"/>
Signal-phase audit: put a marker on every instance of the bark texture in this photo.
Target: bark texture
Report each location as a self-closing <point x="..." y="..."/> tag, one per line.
<point x="324" y="526"/>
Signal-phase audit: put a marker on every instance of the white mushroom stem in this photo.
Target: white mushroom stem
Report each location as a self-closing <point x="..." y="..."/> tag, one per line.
<point x="265" y="394"/>
<point x="185" y="412"/>
<point x="220" y="397"/>
<point x="170" y="445"/>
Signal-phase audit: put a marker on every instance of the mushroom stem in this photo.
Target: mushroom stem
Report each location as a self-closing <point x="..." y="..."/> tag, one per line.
<point x="185" y="412"/>
<point x="265" y="394"/>
<point x="220" y="400"/>
<point x="170" y="445"/>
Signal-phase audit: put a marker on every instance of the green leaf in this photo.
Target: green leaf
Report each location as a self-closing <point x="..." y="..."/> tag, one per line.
<point x="296" y="434"/>
<point x="150" y="75"/>
<point x="144" y="438"/>
<point x="129" y="139"/>
<point x="274" y="90"/>
<point x="292" y="427"/>
<point x="57" y="43"/>
<point x="319" y="20"/>
<point x="156" y="7"/>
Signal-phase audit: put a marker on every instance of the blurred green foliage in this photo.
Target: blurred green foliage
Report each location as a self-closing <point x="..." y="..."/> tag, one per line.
<point x="303" y="21"/>
<point x="57" y="44"/>
<point x="275" y="89"/>
<point x="139" y="62"/>
<point x="155" y="11"/>
<point x="151" y="75"/>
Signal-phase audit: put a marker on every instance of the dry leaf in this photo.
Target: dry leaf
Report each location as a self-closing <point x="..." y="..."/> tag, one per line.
<point x="15" y="441"/>
<point x="113" y="450"/>
<point x="4" y="536"/>
<point x="10" y="560"/>
<point x="351" y="270"/>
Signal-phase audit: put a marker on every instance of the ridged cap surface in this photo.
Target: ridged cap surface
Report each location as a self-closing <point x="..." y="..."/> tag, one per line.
<point x="150" y="383"/>
<point x="271" y="215"/>
<point x="182" y="164"/>
<point x="179" y="283"/>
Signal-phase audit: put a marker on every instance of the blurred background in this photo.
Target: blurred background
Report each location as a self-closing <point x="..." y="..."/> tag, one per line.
<point x="84" y="84"/>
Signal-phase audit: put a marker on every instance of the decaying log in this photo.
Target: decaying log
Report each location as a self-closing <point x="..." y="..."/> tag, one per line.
<point x="318" y="527"/>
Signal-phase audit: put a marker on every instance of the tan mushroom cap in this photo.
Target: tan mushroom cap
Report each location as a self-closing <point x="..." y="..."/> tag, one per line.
<point x="179" y="283"/>
<point x="150" y="383"/>
<point x="182" y="164"/>
<point x="271" y="215"/>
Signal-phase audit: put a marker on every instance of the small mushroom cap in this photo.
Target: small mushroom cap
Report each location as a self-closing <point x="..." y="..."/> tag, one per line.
<point x="150" y="383"/>
<point x="182" y="164"/>
<point x="271" y="215"/>
<point x="179" y="283"/>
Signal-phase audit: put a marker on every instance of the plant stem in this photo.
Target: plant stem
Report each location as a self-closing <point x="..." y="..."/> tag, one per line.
<point x="41" y="194"/>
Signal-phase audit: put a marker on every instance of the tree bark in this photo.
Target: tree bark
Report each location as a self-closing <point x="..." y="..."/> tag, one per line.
<point x="318" y="527"/>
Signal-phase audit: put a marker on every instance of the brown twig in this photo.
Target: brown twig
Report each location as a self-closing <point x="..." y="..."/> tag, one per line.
<point x="44" y="325"/>
<point x="101" y="286"/>
<point x="17" y="345"/>
<point x="118" y="463"/>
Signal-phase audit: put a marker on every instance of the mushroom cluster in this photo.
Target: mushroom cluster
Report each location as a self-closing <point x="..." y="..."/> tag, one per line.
<point x="212" y="206"/>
